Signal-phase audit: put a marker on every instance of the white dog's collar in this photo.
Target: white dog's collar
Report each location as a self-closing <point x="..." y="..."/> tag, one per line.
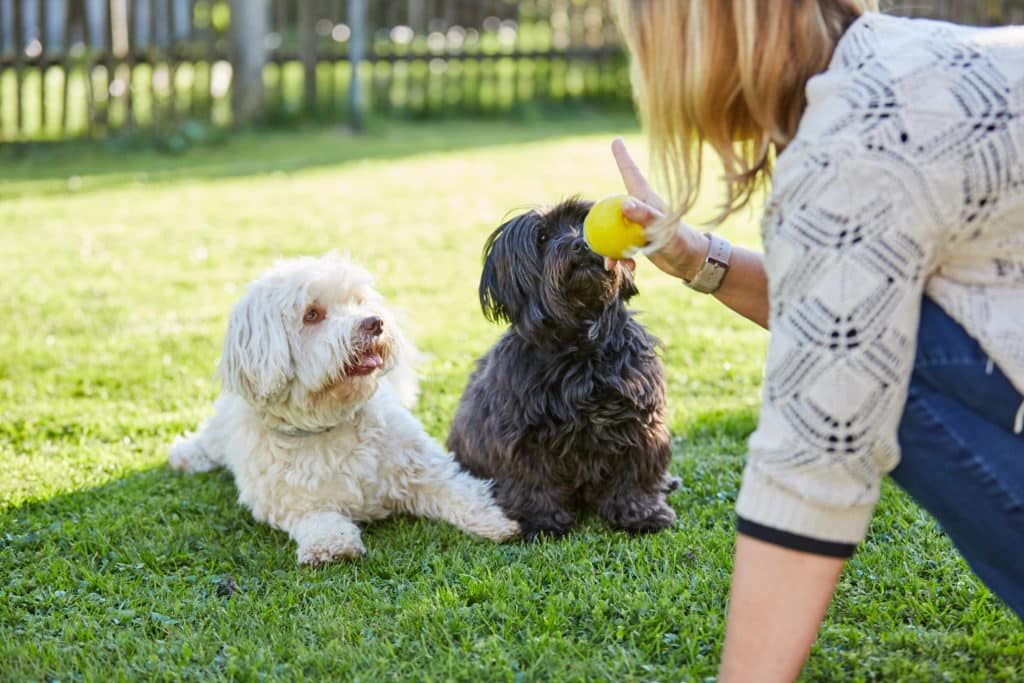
<point x="285" y="429"/>
<point x="291" y="430"/>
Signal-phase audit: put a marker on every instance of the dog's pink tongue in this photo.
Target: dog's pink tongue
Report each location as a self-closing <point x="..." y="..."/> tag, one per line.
<point x="368" y="362"/>
<point x="371" y="360"/>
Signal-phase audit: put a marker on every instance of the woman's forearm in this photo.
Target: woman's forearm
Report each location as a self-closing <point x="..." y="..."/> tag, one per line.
<point x="779" y="597"/>
<point x="745" y="287"/>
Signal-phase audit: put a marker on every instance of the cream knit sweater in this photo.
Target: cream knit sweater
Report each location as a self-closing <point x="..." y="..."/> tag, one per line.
<point x="906" y="177"/>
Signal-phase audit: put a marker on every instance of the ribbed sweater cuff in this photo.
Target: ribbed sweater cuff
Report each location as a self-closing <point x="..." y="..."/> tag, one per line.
<point x="803" y="525"/>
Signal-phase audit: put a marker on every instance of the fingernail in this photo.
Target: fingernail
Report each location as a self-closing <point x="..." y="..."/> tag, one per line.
<point x="629" y="204"/>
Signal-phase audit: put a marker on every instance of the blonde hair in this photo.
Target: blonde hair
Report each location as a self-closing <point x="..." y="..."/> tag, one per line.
<point x="729" y="73"/>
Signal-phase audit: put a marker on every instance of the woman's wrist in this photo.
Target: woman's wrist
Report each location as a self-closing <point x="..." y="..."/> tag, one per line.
<point x="697" y="251"/>
<point x="684" y="254"/>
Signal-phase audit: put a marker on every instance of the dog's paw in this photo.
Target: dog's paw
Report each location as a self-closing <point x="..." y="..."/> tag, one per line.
<point x="554" y="527"/>
<point x="657" y="518"/>
<point x="496" y="527"/>
<point x="186" y="455"/>
<point x="502" y="530"/>
<point x="330" y="549"/>
<point x="640" y="515"/>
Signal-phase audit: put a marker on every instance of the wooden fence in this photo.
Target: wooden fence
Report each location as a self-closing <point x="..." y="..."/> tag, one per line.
<point x="429" y="57"/>
<point x="116" y="65"/>
<point x="89" y="67"/>
<point x="73" y="68"/>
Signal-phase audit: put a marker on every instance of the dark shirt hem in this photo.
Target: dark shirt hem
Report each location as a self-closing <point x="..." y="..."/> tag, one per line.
<point x="794" y="541"/>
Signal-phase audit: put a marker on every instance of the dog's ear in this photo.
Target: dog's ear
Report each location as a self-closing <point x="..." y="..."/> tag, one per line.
<point x="510" y="267"/>
<point x="256" y="361"/>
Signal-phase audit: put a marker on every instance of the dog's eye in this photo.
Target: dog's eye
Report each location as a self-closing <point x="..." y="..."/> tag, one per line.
<point x="314" y="315"/>
<point x="542" y="237"/>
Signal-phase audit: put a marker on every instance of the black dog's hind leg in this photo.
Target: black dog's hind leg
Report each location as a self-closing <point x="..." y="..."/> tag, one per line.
<point x="637" y="512"/>
<point x="536" y="510"/>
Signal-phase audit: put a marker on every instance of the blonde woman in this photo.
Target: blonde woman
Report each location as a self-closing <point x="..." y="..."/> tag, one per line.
<point x="892" y="280"/>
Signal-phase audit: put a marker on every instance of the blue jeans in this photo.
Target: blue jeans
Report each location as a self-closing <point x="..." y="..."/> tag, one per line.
<point x="961" y="459"/>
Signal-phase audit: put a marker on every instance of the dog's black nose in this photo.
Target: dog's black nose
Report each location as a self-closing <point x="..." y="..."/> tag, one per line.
<point x="579" y="246"/>
<point x="372" y="325"/>
<point x="582" y="254"/>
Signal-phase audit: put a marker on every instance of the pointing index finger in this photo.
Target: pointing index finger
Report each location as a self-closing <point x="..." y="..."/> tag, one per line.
<point x="633" y="178"/>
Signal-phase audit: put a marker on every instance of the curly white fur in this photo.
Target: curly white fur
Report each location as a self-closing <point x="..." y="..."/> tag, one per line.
<point x="315" y="439"/>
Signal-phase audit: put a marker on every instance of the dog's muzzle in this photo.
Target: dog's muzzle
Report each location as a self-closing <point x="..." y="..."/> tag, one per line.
<point x="586" y="265"/>
<point x="368" y="359"/>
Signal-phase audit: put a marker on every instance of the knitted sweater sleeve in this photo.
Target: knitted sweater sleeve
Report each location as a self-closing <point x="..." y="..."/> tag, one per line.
<point x="847" y="254"/>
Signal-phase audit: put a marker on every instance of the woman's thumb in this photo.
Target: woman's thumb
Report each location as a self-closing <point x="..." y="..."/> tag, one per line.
<point x="639" y="212"/>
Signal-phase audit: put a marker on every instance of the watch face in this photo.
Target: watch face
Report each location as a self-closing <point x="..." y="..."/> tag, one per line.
<point x="709" y="278"/>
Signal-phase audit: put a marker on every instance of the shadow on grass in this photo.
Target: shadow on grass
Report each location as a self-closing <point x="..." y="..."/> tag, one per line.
<point x="151" y="516"/>
<point x="159" y="521"/>
<point x="83" y="167"/>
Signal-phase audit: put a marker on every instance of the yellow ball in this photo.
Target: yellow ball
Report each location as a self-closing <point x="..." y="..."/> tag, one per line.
<point x="609" y="233"/>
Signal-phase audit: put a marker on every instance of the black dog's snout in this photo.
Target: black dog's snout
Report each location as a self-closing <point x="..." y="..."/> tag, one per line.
<point x="372" y="325"/>
<point x="582" y="254"/>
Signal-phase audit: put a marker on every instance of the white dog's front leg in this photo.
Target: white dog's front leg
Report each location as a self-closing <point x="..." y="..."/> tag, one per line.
<point x="187" y="454"/>
<point x="444" y="491"/>
<point x="207" y="449"/>
<point x="325" y="537"/>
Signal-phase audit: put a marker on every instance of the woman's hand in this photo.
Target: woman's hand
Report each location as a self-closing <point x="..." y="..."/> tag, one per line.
<point x="678" y="249"/>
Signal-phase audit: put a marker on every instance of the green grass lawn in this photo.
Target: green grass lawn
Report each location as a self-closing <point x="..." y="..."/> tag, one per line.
<point x="118" y="271"/>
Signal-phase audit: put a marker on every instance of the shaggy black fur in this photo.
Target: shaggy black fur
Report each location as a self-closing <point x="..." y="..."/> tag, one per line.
<point x="565" y="412"/>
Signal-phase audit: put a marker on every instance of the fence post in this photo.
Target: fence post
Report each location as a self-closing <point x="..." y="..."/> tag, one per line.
<point x="307" y="52"/>
<point x="249" y="24"/>
<point x="19" y="58"/>
<point x="418" y="16"/>
<point x="356" y="50"/>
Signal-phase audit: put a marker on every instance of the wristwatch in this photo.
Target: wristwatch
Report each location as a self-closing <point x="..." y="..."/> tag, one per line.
<point x="716" y="265"/>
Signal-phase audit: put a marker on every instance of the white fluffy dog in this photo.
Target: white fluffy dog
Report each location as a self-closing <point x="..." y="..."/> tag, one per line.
<point x="313" y="419"/>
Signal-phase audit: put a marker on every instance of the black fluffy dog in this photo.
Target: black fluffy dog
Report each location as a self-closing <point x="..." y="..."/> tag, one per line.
<point x="565" y="412"/>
